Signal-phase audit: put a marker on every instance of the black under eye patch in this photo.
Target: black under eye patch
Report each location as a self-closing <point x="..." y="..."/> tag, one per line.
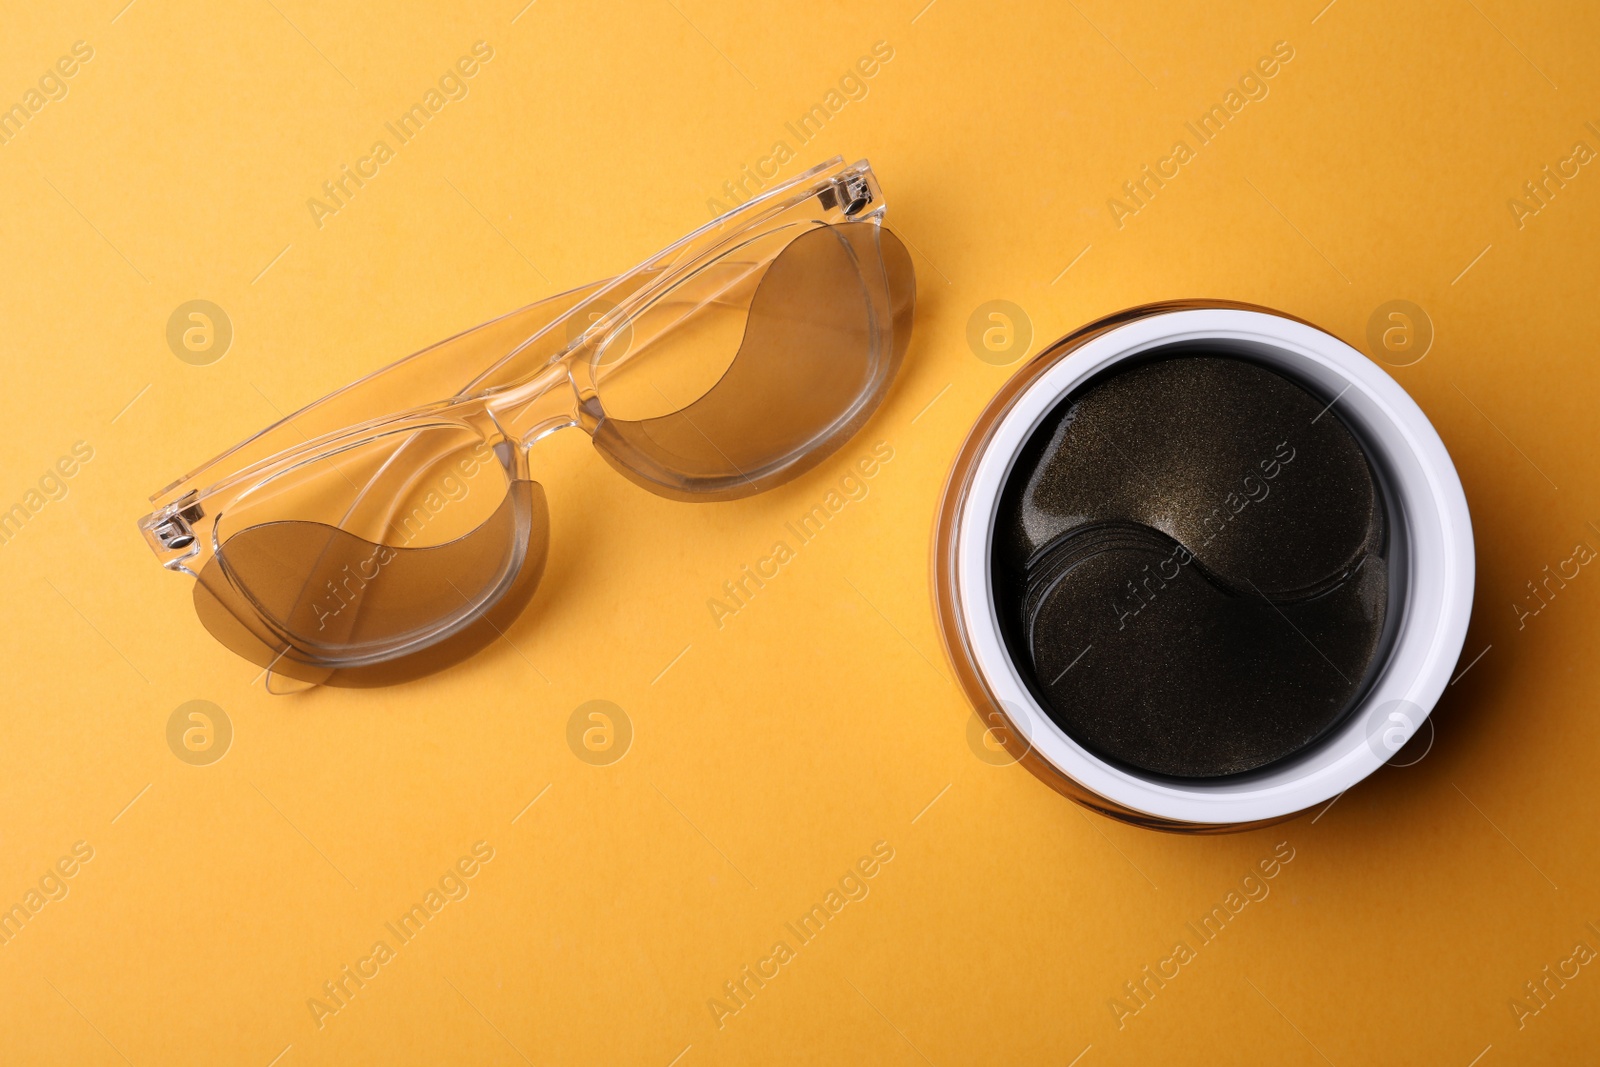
<point x="1189" y="566"/>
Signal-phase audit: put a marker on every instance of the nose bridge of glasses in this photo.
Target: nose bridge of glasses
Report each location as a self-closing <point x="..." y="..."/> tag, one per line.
<point x="551" y="401"/>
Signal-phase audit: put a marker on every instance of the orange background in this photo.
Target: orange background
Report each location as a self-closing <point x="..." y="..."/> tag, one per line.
<point x="770" y="755"/>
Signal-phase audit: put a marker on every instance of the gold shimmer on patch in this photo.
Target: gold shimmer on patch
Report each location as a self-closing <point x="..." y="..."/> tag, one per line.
<point x="1190" y="566"/>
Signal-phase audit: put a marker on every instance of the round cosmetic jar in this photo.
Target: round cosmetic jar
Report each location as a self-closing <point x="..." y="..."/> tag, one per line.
<point x="1429" y="555"/>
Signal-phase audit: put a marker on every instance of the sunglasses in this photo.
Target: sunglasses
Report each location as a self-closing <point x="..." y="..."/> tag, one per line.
<point x="395" y="526"/>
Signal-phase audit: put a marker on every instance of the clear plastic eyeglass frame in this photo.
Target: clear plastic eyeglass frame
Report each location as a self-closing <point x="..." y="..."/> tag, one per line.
<point x="395" y="527"/>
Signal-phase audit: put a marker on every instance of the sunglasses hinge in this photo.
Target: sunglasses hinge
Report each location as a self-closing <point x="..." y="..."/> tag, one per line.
<point x="852" y="193"/>
<point x="174" y="530"/>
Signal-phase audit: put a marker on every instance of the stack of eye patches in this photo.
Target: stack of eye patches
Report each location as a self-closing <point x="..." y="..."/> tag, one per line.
<point x="1189" y="566"/>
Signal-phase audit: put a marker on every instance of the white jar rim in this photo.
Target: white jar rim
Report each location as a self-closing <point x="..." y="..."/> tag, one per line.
<point x="1437" y="567"/>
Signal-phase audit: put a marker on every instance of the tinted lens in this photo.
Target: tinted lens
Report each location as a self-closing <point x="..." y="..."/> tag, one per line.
<point x="761" y="365"/>
<point x="382" y="562"/>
